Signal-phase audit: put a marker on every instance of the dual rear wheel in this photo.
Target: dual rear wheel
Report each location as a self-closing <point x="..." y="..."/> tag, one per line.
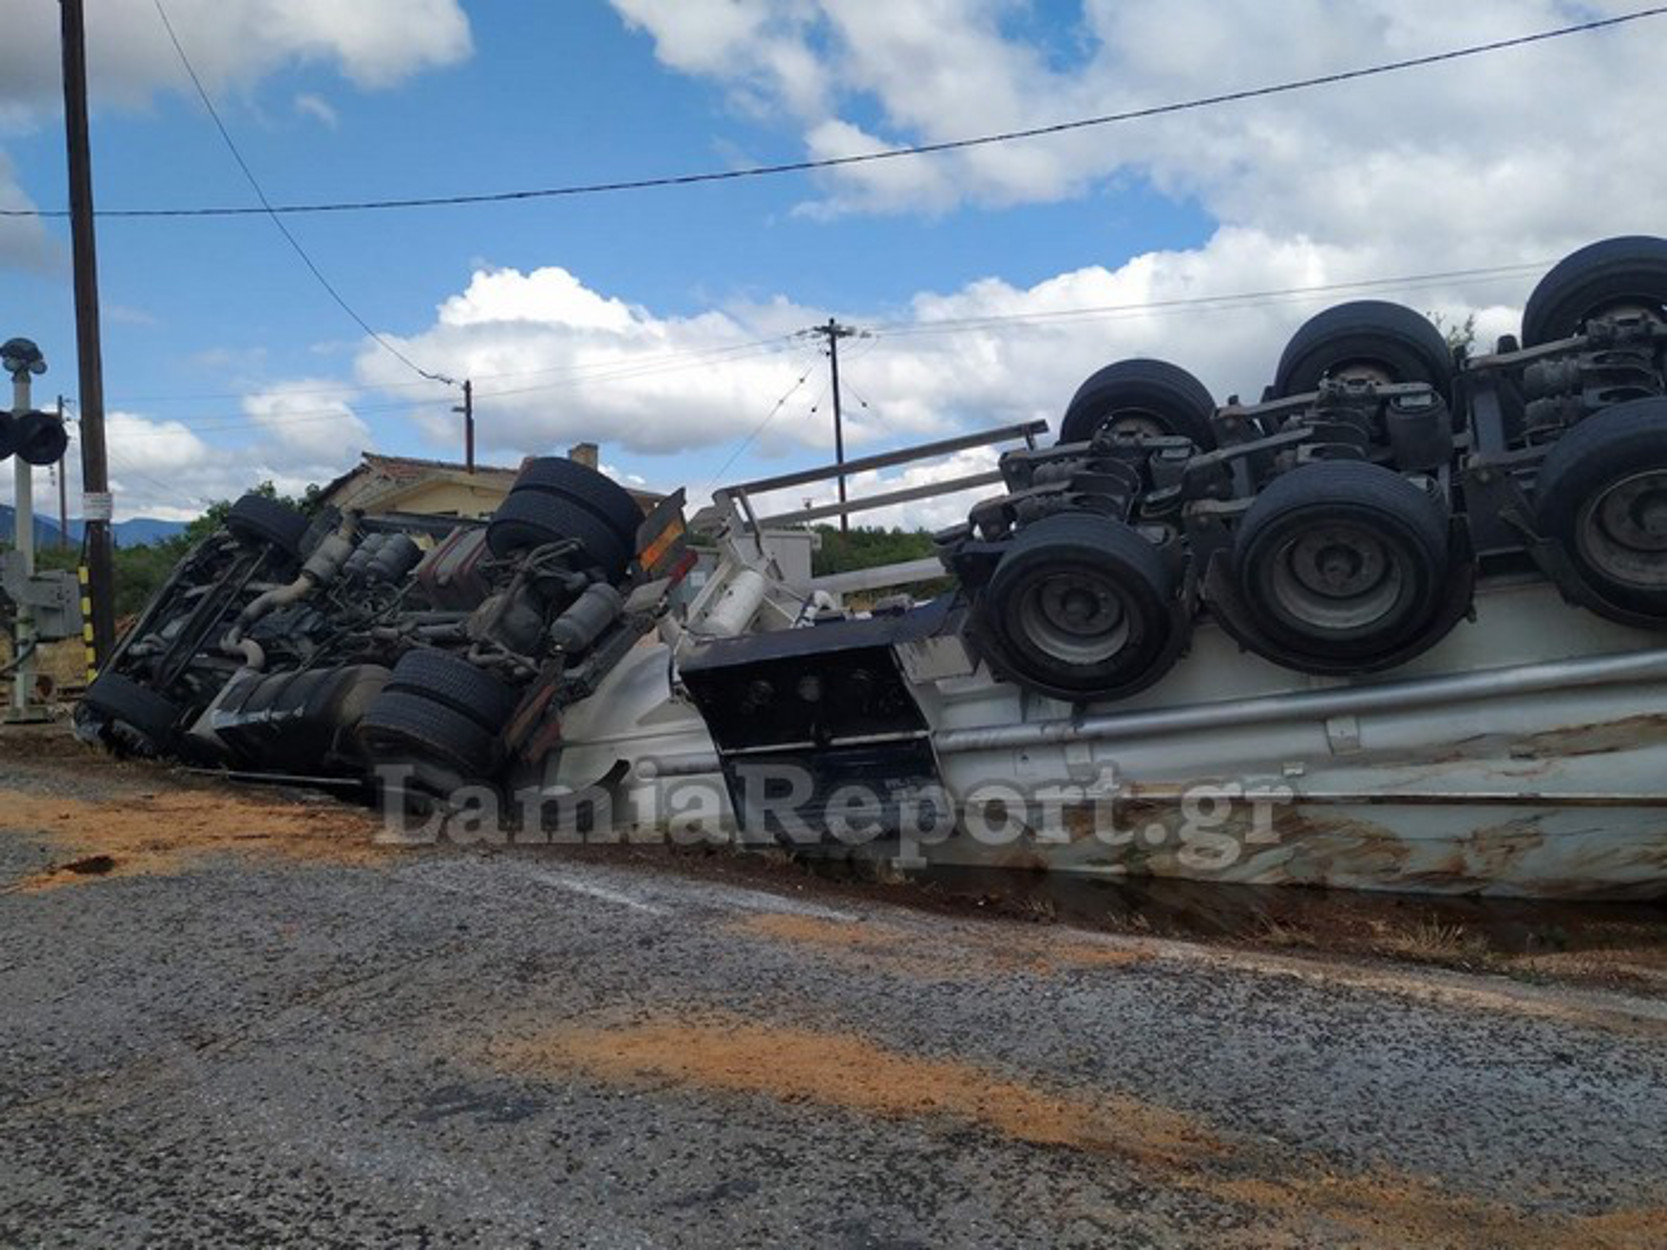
<point x="1339" y="566"/>
<point x="1602" y="496"/>
<point x="555" y="499"/>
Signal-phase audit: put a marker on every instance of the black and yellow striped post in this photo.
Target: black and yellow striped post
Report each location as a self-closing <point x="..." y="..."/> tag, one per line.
<point x="85" y="577"/>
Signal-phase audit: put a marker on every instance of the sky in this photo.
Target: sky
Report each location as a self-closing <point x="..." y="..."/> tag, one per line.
<point x="665" y="324"/>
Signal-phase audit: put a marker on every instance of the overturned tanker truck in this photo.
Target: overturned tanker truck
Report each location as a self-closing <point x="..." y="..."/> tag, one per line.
<point x="1398" y="625"/>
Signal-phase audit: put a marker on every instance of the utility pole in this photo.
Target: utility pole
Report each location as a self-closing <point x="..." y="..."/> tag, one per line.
<point x="468" y="410"/>
<point x="96" y="505"/>
<point x="63" y="490"/>
<point x="833" y="332"/>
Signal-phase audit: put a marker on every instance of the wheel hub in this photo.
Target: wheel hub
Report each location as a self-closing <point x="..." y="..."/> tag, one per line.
<point x="1623" y="530"/>
<point x="1133" y="422"/>
<point x="1336" y="577"/>
<point x="1075" y="616"/>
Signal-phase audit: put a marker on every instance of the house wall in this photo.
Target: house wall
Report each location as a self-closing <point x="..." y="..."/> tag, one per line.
<point x="443" y="497"/>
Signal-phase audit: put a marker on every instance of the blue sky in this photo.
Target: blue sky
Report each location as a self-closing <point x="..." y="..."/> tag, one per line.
<point x="228" y="359"/>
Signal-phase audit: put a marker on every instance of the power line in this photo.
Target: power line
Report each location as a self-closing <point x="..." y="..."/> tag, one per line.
<point x="579" y="370"/>
<point x="885" y="154"/>
<point x="1207" y="303"/>
<point x="760" y="427"/>
<point x="266" y="207"/>
<point x="624" y="371"/>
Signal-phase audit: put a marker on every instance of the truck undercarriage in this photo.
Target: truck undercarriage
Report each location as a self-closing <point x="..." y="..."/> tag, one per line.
<point x="1396" y="625"/>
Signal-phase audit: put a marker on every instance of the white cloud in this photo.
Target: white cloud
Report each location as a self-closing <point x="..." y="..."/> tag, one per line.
<point x="1500" y="157"/>
<point x="302" y="415"/>
<point x="555" y="362"/>
<point x="232" y="43"/>
<point x="373" y="43"/>
<point x="318" y="108"/>
<point x="165" y="468"/>
<point x="24" y="242"/>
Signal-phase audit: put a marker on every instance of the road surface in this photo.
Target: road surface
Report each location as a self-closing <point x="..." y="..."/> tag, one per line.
<point x="235" y="1021"/>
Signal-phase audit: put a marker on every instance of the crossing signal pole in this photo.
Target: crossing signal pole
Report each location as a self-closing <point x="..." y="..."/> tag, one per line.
<point x="833" y="332"/>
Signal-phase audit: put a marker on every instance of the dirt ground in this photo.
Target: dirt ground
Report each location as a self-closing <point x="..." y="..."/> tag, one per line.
<point x="184" y="816"/>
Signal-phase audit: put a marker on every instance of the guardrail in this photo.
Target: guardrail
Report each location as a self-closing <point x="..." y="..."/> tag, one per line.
<point x="740" y="495"/>
<point x="734" y="505"/>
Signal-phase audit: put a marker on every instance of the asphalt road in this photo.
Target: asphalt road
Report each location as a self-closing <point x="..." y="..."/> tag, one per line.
<point x="462" y="1047"/>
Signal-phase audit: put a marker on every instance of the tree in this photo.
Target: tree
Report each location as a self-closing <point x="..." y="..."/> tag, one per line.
<point x="867" y="548"/>
<point x="1460" y="336"/>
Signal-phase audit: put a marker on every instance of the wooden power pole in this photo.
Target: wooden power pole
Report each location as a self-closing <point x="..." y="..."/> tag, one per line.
<point x="833" y="332"/>
<point x="467" y="408"/>
<point x="95" y="474"/>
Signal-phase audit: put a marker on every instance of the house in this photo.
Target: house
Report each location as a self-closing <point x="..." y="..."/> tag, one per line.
<point x="381" y="484"/>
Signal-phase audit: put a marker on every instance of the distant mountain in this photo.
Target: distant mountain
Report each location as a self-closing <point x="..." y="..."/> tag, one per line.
<point x="135" y="532"/>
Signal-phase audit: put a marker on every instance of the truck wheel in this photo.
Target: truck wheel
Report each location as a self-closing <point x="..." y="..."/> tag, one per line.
<point x="1602" y="494"/>
<point x="1367" y="334"/>
<point x="1080" y="607"/>
<point x="401" y="722"/>
<point x="1630" y="271"/>
<point x="257" y="519"/>
<point x="1140" y="397"/>
<point x="531" y="518"/>
<point x="148" y="717"/>
<point x="610" y="501"/>
<point x="1340" y="561"/>
<point x="444" y="678"/>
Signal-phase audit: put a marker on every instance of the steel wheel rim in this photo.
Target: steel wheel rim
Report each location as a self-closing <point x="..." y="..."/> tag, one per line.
<point x="1622" y="530"/>
<point x="1336" y="577"/>
<point x="1134" y="422"/>
<point x="1074" y="616"/>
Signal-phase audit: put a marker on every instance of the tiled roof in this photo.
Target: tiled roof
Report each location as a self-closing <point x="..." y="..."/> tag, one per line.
<point x="400" y="471"/>
<point x="411" y="469"/>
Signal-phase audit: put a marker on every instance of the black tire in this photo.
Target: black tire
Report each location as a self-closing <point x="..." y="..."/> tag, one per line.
<point x="119" y="698"/>
<point x="531" y="518"/>
<point x="1080" y="607"/>
<point x="257" y="519"/>
<point x="399" y="722"/>
<point x="39" y="438"/>
<point x="1143" y="394"/>
<point x="444" y="678"/>
<point x="1339" y="562"/>
<point x="1602" y="494"/>
<point x="1398" y="340"/>
<point x="610" y="501"/>
<point x="1631" y="269"/>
